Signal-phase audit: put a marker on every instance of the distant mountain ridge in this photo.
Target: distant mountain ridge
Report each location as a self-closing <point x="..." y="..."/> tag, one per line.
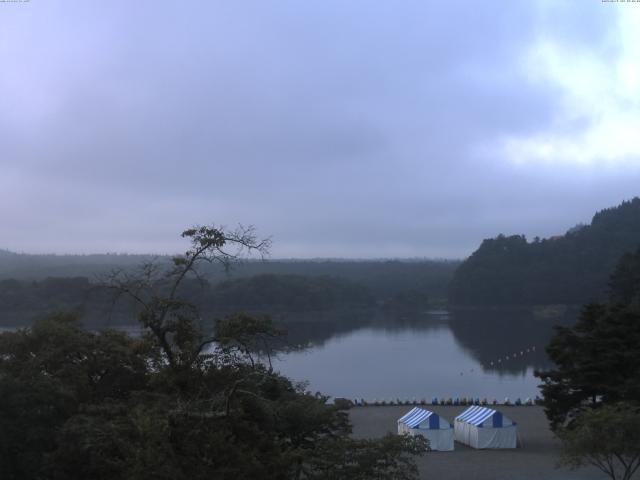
<point x="573" y="268"/>
<point x="40" y="266"/>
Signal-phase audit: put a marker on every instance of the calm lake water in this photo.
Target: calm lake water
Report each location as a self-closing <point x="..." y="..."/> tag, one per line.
<point x="470" y="354"/>
<point x="373" y="354"/>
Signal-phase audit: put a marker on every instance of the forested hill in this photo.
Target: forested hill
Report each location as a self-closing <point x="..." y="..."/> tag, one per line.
<point x="570" y="269"/>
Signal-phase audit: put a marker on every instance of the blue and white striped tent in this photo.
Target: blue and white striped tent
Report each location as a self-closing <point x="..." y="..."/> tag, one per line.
<point x="482" y="427"/>
<point x="430" y="425"/>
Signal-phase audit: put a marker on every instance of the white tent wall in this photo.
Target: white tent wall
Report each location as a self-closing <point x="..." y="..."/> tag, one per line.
<point x="464" y="432"/>
<point x="439" y="440"/>
<point x="504" y="437"/>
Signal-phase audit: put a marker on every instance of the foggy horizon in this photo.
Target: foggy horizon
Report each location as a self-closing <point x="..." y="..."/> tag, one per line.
<point x="82" y="252"/>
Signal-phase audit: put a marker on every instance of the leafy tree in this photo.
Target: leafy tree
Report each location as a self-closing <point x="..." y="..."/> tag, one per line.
<point x="367" y="459"/>
<point x="155" y="291"/>
<point x="625" y="281"/>
<point x="46" y="374"/>
<point x="179" y="402"/>
<point x="247" y="335"/>
<point x="592" y="397"/>
<point x="598" y="359"/>
<point x="607" y="438"/>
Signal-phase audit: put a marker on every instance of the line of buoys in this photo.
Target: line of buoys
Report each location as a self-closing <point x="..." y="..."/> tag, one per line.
<point x="495" y="363"/>
<point x="507" y="357"/>
<point x="457" y="401"/>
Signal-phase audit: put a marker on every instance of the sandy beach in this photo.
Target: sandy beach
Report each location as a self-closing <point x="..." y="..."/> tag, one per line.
<point x="536" y="459"/>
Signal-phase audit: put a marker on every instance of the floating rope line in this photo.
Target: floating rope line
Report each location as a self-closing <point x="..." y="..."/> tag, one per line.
<point x="508" y="357"/>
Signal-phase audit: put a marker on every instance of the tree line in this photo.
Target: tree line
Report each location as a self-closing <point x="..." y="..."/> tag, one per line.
<point x="573" y="268"/>
<point x="384" y="278"/>
<point x="22" y="301"/>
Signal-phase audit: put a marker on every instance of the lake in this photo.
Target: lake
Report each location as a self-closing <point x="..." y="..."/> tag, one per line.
<point x="376" y="354"/>
<point x="490" y="354"/>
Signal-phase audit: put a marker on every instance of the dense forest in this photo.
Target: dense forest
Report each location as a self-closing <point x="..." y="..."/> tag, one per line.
<point x="22" y="301"/>
<point x="384" y="278"/>
<point x="570" y="269"/>
<point x="288" y="292"/>
<point x="33" y="285"/>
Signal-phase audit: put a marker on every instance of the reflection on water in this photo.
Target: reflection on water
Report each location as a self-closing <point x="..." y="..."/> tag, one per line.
<point x="376" y="355"/>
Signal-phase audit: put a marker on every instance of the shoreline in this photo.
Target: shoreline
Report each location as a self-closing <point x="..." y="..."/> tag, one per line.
<point x="535" y="459"/>
<point x="442" y="402"/>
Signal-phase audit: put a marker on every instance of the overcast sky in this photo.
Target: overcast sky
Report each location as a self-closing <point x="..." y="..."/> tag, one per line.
<point x="340" y="128"/>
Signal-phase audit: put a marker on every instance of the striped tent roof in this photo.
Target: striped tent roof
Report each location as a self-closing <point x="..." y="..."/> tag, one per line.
<point x="476" y="415"/>
<point x="415" y="417"/>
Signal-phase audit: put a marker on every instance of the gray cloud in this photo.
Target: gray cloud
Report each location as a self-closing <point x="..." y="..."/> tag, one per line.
<point x="341" y="128"/>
